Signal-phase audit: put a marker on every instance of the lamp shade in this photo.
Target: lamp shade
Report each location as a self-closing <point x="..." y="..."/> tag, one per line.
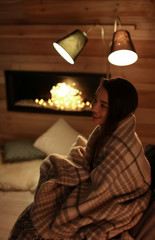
<point x="71" y="45"/>
<point x="122" y="51"/>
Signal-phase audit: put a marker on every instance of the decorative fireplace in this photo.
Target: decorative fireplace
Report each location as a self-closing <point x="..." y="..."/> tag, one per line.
<point x="51" y="92"/>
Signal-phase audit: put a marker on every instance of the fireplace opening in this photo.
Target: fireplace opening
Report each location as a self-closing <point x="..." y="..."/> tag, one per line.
<point x="51" y="92"/>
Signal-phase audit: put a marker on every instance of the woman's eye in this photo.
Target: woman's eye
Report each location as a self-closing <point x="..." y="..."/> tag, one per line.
<point x="103" y="105"/>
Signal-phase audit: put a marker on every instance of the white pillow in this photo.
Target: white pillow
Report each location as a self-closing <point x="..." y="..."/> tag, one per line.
<point x="57" y="139"/>
<point x="19" y="176"/>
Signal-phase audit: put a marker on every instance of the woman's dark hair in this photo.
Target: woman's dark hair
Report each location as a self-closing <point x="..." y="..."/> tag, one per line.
<point x="122" y="100"/>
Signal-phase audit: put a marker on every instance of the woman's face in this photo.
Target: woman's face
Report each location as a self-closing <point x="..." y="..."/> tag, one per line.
<point x="100" y="106"/>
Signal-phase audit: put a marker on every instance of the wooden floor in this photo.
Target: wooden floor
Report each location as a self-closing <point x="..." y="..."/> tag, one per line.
<point x="11" y="205"/>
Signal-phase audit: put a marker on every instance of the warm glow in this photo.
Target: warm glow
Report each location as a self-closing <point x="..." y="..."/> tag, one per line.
<point x="65" y="97"/>
<point x="123" y="57"/>
<point x="63" y="53"/>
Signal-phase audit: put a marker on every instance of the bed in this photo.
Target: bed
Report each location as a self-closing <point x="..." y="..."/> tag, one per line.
<point x="19" y="173"/>
<point x="20" y="165"/>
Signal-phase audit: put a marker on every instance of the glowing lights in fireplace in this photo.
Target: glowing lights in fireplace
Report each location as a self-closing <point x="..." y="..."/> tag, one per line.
<point x="65" y="97"/>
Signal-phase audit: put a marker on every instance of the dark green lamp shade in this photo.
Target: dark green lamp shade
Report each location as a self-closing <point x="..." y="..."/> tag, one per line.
<point x="122" y="51"/>
<point x="71" y="45"/>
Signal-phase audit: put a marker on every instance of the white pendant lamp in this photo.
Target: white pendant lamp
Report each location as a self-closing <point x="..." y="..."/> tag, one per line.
<point x="71" y="45"/>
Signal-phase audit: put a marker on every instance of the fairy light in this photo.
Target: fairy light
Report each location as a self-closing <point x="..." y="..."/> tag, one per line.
<point x="64" y="97"/>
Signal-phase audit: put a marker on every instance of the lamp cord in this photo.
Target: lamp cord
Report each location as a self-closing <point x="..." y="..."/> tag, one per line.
<point x="101" y="27"/>
<point x="117" y="22"/>
<point x="102" y="37"/>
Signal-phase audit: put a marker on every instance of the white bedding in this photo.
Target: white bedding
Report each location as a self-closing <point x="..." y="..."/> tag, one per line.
<point x="19" y="175"/>
<point x="24" y="175"/>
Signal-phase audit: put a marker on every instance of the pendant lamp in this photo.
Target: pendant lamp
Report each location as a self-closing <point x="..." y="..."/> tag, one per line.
<point x="122" y="51"/>
<point x="70" y="46"/>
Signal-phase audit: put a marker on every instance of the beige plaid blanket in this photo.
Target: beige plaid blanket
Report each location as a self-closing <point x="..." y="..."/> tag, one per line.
<point x="74" y="202"/>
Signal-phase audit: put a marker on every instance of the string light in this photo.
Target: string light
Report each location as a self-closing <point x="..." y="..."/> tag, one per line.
<point x="65" y="97"/>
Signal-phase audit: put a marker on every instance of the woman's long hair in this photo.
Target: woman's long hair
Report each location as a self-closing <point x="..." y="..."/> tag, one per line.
<point x="122" y="101"/>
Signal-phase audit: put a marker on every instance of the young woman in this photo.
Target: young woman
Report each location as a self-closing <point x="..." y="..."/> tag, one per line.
<point x="101" y="190"/>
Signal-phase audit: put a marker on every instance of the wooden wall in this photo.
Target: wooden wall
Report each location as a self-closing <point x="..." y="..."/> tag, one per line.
<point x="27" y="31"/>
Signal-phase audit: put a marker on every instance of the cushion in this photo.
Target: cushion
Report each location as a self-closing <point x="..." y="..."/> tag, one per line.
<point x="57" y="139"/>
<point x="19" y="176"/>
<point x="21" y="151"/>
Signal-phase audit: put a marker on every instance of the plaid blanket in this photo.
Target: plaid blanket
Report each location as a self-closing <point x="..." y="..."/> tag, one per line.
<point x="73" y="201"/>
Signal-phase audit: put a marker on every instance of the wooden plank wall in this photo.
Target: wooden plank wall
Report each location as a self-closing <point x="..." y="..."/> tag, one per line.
<point x="27" y="31"/>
